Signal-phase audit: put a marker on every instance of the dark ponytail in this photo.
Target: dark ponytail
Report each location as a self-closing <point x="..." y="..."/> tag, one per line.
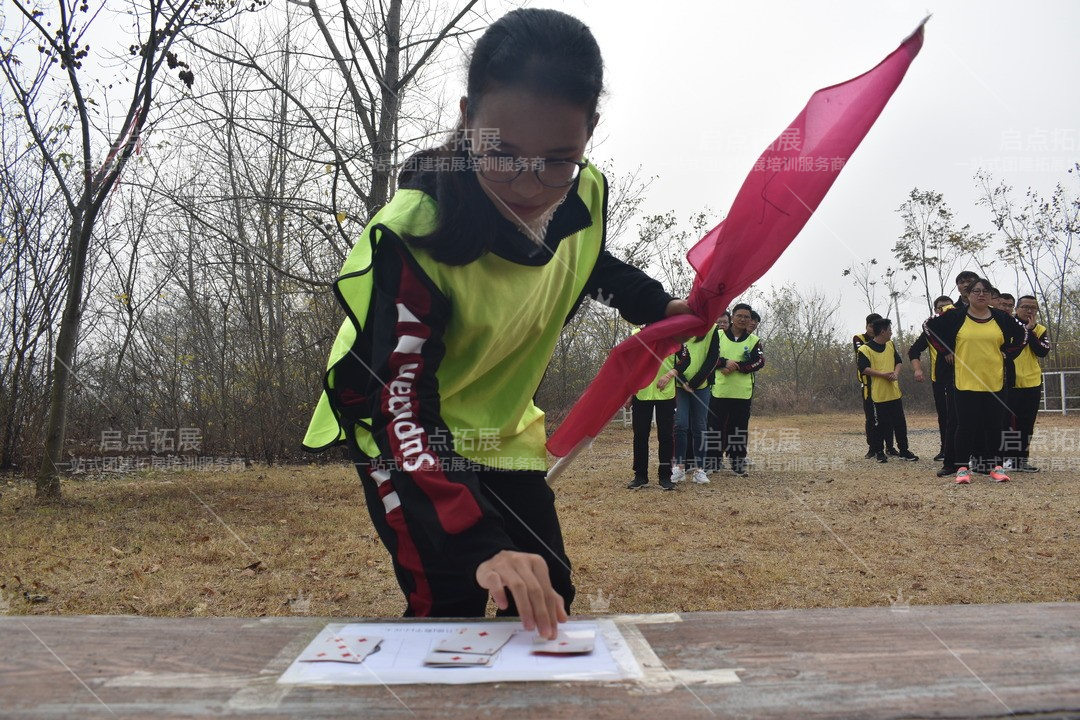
<point x="543" y="51"/>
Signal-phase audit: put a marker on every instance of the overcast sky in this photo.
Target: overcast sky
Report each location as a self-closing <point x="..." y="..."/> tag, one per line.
<point x="697" y="89"/>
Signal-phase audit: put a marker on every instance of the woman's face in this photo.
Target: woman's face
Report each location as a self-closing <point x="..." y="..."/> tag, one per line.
<point x="978" y="296"/>
<point x="521" y="124"/>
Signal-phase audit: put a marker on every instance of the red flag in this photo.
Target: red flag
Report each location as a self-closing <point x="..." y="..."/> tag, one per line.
<point x="779" y="195"/>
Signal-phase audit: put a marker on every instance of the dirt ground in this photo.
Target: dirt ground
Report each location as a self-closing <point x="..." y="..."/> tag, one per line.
<point x="815" y="525"/>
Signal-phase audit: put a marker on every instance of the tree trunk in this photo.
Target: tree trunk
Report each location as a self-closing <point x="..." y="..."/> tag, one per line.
<point x="48" y="478"/>
<point x="383" y="152"/>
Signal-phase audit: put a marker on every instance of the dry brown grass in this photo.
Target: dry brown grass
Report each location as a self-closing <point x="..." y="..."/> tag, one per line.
<point x="850" y="534"/>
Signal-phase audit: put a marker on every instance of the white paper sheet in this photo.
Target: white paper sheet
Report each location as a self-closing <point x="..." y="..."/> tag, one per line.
<point x="400" y="658"/>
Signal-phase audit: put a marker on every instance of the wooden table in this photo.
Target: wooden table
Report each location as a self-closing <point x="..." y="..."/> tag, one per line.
<point x="954" y="661"/>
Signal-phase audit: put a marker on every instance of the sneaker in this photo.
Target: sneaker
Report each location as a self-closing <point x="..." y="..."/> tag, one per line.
<point x="909" y="456"/>
<point x="892" y="451"/>
<point x="739" y="468"/>
<point x="638" y="483"/>
<point x="700" y="478"/>
<point x="963" y="476"/>
<point x="940" y="456"/>
<point x="1008" y="464"/>
<point x="998" y="474"/>
<point x="667" y="485"/>
<point x="1025" y="466"/>
<point x="946" y="471"/>
<point x="881" y="457"/>
<point x="677" y="475"/>
<point x="870" y="454"/>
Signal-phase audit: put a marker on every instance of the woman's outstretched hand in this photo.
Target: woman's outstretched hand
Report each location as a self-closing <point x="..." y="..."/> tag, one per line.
<point x="525" y="575"/>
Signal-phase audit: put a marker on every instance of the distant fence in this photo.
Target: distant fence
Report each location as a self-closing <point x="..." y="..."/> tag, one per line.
<point x="1064" y="356"/>
<point x="1061" y="391"/>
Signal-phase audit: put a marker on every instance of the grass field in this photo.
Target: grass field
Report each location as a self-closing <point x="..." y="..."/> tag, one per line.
<point x="815" y="525"/>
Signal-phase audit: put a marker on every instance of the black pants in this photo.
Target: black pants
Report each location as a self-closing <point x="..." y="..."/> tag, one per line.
<point x="433" y="584"/>
<point x="871" y="423"/>
<point x="641" y="414"/>
<point x="953" y="459"/>
<point x="892" y="423"/>
<point x="874" y="437"/>
<point x="978" y="429"/>
<point x="732" y="421"/>
<point x="942" y="407"/>
<point x="1023" y="410"/>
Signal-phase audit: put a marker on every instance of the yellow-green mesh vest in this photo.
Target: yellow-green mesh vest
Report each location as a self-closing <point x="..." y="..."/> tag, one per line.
<point x="882" y="390"/>
<point x="736" y="385"/>
<point x="1028" y="370"/>
<point x="698" y="350"/>
<point x="651" y="392"/>
<point x="505" y="322"/>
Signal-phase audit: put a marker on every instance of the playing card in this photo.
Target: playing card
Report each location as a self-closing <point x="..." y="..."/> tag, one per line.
<point x="569" y="642"/>
<point x="330" y="646"/>
<point x="450" y="659"/>
<point x="480" y="639"/>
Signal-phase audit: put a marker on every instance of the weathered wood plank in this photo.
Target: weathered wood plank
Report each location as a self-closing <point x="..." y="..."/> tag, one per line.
<point x="956" y="661"/>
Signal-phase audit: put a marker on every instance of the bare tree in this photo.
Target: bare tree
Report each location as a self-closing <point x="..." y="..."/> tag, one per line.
<point x="378" y="65"/>
<point x="932" y="245"/>
<point x="865" y="276"/>
<point x="662" y="246"/>
<point x="62" y="49"/>
<point x="1041" y="240"/>
<point x="801" y="329"/>
<point x="298" y="127"/>
<point x="32" y="260"/>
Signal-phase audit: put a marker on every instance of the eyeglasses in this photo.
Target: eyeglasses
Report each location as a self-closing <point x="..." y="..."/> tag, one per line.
<point x="506" y="169"/>
<point x="979" y="291"/>
<point x="1029" y="307"/>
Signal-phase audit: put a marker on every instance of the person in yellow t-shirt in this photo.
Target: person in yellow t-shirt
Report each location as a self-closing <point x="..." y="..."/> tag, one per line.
<point x="979" y="338"/>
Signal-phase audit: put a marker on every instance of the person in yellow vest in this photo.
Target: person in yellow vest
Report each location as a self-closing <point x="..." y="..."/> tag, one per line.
<point x="740" y="356"/>
<point x="870" y="424"/>
<point x="694" y="365"/>
<point x="455" y="296"/>
<point x="939" y="386"/>
<point x="979" y="338"/>
<point x="714" y="449"/>
<point x="657" y="397"/>
<point x="879" y="360"/>
<point x="1026" y="394"/>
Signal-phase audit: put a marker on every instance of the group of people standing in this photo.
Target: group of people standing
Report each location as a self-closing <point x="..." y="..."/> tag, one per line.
<point x="701" y="398"/>
<point x="984" y="352"/>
